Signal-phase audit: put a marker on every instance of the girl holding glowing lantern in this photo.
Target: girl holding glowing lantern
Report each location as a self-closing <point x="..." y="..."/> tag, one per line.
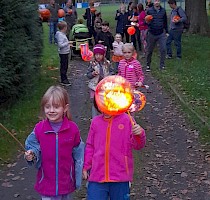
<point x="130" y="68"/>
<point x="111" y="139"/>
<point x="98" y="68"/>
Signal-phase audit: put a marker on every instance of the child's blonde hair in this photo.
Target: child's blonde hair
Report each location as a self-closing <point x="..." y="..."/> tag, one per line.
<point x="62" y="25"/>
<point x="117" y="34"/>
<point x="60" y="97"/>
<point x="128" y="46"/>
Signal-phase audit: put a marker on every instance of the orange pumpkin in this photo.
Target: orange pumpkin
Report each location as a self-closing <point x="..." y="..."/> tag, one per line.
<point x="176" y="18"/>
<point x="148" y="18"/>
<point x="45" y="14"/>
<point x="92" y="10"/>
<point x="70" y="11"/>
<point x="131" y="30"/>
<point x="61" y="13"/>
<point x="113" y="95"/>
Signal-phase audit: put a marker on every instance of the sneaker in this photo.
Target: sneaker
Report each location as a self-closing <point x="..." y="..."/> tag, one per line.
<point x="168" y="57"/>
<point x="148" y="69"/>
<point x="65" y="83"/>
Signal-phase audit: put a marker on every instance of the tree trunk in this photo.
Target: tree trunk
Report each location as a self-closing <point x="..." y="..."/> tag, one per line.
<point x="197" y="15"/>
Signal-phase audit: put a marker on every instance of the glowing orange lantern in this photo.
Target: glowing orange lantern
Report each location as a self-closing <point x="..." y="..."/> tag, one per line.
<point x="92" y="10"/>
<point x="61" y="13"/>
<point x="113" y="95"/>
<point x="176" y="18"/>
<point x="131" y="30"/>
<point x="139" y="101"/>
<point x="70" y="11"/>
<point x="148" y="18"/>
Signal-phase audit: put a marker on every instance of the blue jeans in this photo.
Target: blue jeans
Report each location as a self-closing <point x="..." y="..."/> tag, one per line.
<point x="110" y="190"/>
<point x="151" y="43"/>
<point x="175" y="35"/>
<point x="53" y="29"/>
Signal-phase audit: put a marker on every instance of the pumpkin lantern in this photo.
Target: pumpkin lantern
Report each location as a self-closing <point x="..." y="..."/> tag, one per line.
<point x="92" y="10"/>
<point x="131" y="30"/>
<point x="113" y="95"/>
<point x="176" y="18"/>
<point x="148" y="18"/>
<point x="61" y="13"/>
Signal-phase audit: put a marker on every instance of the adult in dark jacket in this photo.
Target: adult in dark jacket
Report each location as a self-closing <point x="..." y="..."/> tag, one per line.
<point x="90" y="17"/>
<point x="106" y="38"/>
<point x="157" y="31"/>
<point x="53" y="21"/>
<point x="122" y="22"/>
<point x="176" y="29"/>
<point x="71" y="16"/>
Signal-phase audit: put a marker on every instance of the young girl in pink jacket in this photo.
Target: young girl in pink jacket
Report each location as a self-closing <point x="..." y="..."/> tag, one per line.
<point x="108" y="163"/>
<point x="130" y="68"/>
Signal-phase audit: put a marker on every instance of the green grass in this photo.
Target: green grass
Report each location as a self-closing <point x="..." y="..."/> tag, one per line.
<point x="190" y="78"/>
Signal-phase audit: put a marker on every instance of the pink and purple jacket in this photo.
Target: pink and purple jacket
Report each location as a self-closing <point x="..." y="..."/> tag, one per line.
<point x="56" y="174"/>
<point x="131" y="70"/>
<point x="108" y="151"/>
<point x="141" y="21"/>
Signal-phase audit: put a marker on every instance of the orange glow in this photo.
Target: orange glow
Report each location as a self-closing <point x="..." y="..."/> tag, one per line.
<point x="114" y="95"/>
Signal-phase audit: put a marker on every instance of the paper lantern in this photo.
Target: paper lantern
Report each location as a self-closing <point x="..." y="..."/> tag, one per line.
<point x="70" y="11"/>
<point x="86" y="53"/>
<point x="131" y="30"/>
<point x="92" y="10"/>
<point x="139" y="101"/>
<point x="61" y="13"/>
<point x="45" y="14"/>
<point x="88" y="57"/>
<point x="176" y="18"/>
<point x="148" y="18"/>
<point x="113" y="95"/>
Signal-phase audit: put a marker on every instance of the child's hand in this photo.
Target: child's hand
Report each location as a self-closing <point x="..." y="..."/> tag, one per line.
<point x="29" y="155"/>
<point x="137" y="129"/>
<point x="85" y="174"/>
<point x="138" y="84"/>
<point x="95" y="73"/>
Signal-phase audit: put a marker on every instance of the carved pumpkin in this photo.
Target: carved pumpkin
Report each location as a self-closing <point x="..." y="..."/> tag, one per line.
<point x="61" y="13"/>
<point x="131" y="30"/>
<point x="113" y="95"/>
<point x="148" y="18"/>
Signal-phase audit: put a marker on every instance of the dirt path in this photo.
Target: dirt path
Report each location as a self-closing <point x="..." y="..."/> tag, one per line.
<point x="173" y="165"/>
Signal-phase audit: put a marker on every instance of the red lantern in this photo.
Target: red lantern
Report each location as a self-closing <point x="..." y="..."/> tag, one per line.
<point x="61" y="13"/>
<point x="45" y="14"/>
<point x="131" y="30"/>
<point x="113" y="95"/>
<point x="176" y="18"/>
<point x="148" y="18"/>
<point x="139" y="101"/>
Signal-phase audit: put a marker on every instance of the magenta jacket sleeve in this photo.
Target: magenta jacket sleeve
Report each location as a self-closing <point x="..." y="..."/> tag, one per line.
<point x="139" y="141"/>
<point x="89" y="148"/>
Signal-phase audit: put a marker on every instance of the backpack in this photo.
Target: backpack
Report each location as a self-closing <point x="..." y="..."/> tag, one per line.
<point x="186" y="23"/>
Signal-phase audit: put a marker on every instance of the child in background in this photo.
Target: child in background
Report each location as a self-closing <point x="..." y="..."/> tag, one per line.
<point x="98" y="68"/>
<point x="142" y="27"/>
<point x="98" y="23"/>
<point x="50" y="147"/>
<point x="63" y="50"/>
<point x="108" y="164"/>
<point x="130" y="68"/>
<point x="117" y="51"/>
<point x="106" y="38"/>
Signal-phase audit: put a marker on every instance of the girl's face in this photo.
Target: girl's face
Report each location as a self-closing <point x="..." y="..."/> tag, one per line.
<point x="99" y="57"/>
<point x="104" y="28"/>
<point x="128" y="53"/>
<point x="54" y="112"/>
<point x="118" y="38"/>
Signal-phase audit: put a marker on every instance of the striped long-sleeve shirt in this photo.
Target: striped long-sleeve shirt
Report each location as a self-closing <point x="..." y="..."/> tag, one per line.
<point x="131" y="70"/>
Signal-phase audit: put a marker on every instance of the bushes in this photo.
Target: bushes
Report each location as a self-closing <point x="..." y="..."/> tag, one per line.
<point x="20" y="47"/>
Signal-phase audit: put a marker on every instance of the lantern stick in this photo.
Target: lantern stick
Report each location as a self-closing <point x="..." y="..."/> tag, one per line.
<point x="129" y="114"/>
<point x="3" y="127"/>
